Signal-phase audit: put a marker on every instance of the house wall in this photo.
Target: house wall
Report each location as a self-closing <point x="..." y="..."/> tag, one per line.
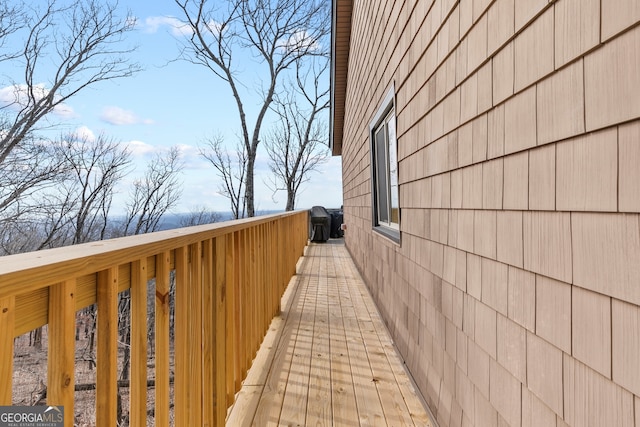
<point x="514" y="293"/>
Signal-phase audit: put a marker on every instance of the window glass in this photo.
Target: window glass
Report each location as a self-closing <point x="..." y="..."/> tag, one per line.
<point x="384" y="147"/>
<point x="381" y="174"/>
<point x="393" y="169"/>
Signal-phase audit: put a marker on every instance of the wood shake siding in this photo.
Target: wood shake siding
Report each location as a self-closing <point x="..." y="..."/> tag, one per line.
<point x="514" y="292"/>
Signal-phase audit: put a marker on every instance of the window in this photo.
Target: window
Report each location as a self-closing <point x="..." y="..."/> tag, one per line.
<point x="386" y="207"/>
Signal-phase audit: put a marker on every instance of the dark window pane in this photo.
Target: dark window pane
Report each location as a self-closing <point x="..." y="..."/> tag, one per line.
<point x="382" y="187"/>
<point x="393" y="169"/>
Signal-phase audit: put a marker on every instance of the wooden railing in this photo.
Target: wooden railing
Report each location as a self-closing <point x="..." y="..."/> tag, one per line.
<point x="229" y="281"/>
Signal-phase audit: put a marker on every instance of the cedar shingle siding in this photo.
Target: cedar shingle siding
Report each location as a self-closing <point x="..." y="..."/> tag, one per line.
<point x="514" y="292"/>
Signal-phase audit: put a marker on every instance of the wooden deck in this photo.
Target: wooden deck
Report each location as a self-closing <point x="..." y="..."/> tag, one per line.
<point x="328" y="360"/>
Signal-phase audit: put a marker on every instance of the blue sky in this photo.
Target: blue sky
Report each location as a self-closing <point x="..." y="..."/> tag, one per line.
<point x="177" y="103"/>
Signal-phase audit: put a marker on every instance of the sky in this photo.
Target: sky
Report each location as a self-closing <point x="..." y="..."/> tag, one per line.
<point x="174" y="102"/>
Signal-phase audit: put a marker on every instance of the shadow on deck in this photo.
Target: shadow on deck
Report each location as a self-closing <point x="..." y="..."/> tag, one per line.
<point x="328" y="358"/>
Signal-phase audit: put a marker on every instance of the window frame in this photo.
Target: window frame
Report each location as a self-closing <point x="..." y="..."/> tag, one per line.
<point x="383" y="120"/>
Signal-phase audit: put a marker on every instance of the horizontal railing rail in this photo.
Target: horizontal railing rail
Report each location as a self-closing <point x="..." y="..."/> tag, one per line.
<point x="229" y="279"/>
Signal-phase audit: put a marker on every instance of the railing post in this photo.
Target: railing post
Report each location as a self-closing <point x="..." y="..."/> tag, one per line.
<point x="107" y="371"/>
<point x="163" y="282"/>
<point x="138" y="396"/>
<point x="61" y="353"/>
<point x="7" y="324"/>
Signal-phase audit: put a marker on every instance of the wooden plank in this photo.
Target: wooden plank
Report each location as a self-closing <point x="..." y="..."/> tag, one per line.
<point x="319" y="411"/>
<point x="182" y="394"/>
<point x="220" y="276"/>
<point x="252" y="294"/>
<point x="163" y="261"/>
<point x="231" y="334"/>
<point x="342" y="391"/>
<point x="107" y="351"/>
<point x="393" y="403"/>
<point x="208" y="334"/>
<point x="256" y="291"/>
<point x="138" y="396"/>
<point x="398" y="396"/>
<point x="23" y="273"/>
<point x="244" y="407"/>
<point x="297" y="387"/>
<point x="251" y="395"/>
<point x="414" y="404"/>
<point x="247" y="299"/>
<point x="247" y="400"/>
<point x="7" y="323"/>
<point x="272" y="398"/>
<point x="331" y="304"/>
<point x="194" y="342"/>
<point x="370" y="410"/>
<point x="86" y="291"/>
<point x="32" y="311"/>
<point x="61" y="351"/>
<point x="237" y="307"/>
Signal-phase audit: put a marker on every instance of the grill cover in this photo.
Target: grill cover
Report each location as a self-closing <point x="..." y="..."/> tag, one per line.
<point x="320" y="221"/>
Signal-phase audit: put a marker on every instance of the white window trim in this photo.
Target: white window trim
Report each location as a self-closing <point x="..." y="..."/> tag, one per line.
<point x="390" y="230"/>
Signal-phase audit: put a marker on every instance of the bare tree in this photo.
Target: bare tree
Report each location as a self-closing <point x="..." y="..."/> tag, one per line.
<point x="12" y="18"/>
<point x="198" y="216"/>
<point x="58" y="193"/>
<point x="231" y="170"/>
<point x="275" y="33"/>
<point x="97" y="166"/>
<point x="31" y="168"/>
<point x="154" y="194"/>
<point x="297" y="144"/>
<point x="79" y="39"/>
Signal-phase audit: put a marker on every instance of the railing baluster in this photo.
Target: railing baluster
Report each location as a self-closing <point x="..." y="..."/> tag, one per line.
<point x="61" y="356"/>
<point x="231" y="331"/>
<point x="247" y="307"/>
<point x="263" y="283"/>
<point x="220" y="275"/>
<point x="228" y="288"/>
<point x="138" y="397"/>
<point x="195" y="332"/>
<point x="163" y="261"/>
<point x="237" y="309"/>
<point x="208" y="335"/>
<point x="7" y="324"/>
<point x="107" y="371"/>
<point x="182" y="393"/>
<point x="255" y="290"/>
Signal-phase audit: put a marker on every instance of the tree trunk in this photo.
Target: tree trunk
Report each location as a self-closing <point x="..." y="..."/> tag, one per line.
<point x="291" y="200"/>
<point x="249" y="189"/>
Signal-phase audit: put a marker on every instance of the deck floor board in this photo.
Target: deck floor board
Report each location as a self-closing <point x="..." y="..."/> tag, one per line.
<point x="328" y="359"/>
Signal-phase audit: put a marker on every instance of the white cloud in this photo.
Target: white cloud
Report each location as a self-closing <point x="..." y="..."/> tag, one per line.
<point x="17" y="97"/>
<point x="153" y="24"/>
<point x="187" y="150"/>
<point x="84" y="133"/>
<point x="119" y="116"/>
<point x="178" y="28"/>
<point x="139" y="148"/>
<point x="299" y="40"/>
